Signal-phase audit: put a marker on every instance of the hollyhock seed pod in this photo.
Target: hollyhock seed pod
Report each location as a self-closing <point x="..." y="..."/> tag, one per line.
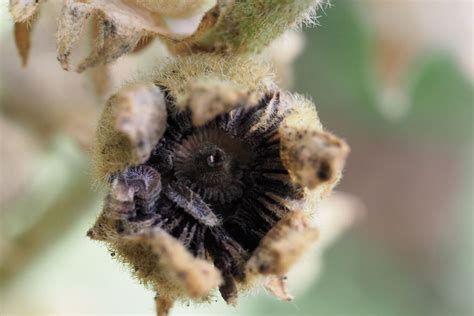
<point x="212" y="172"/>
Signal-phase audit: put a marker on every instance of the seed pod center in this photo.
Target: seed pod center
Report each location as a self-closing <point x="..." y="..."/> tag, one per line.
<point x="216" y="157"/>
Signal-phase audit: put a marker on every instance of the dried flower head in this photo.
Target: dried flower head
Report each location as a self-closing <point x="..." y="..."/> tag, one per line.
<point x="186" y="27"/>
<point x="212" y="172"/>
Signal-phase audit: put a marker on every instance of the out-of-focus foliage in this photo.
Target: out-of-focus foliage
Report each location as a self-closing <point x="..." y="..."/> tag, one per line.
<point x="408" y="257"/>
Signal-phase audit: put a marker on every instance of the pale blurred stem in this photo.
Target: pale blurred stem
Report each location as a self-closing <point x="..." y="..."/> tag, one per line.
<point x="70" y="205"/>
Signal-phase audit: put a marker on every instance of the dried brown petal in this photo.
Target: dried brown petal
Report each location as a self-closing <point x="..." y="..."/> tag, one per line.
<point x="132" y="124"/>
<point x="22" y="40"/>
<point x="24" y="13"/>
<point x="283" y="245"/>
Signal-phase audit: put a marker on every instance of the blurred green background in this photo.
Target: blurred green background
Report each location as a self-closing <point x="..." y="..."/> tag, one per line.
<point x="394" y="78"/>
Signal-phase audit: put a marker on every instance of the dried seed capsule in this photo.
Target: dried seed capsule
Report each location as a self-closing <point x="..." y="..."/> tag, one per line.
<point x="216" y="188"/>
<point x="224" y="26"/>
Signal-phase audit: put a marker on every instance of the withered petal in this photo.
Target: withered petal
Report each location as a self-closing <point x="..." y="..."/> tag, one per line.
<point x="22" y="40"/>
